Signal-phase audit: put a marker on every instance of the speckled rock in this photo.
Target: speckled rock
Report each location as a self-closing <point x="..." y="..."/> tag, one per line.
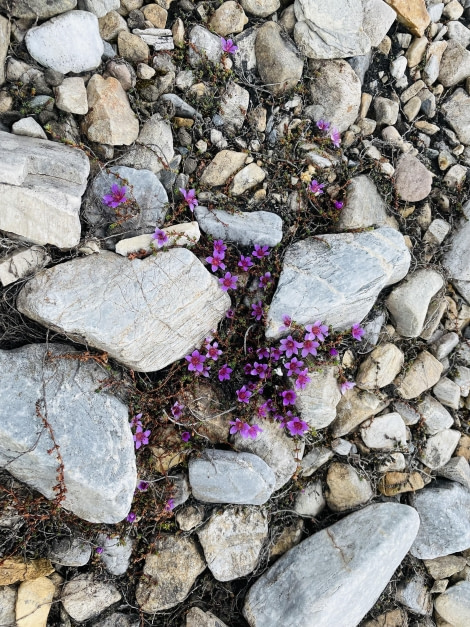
<point x="412" y="179"/>
<point x="257" y="227"/>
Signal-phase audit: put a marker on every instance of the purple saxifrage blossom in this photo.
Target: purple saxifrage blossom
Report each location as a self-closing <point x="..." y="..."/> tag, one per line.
<point x="318" y="330"/>
<point x="116" y="197"/>
<point x="260" y="251"/>
<point x="259" y="370"/>
<point x="294" y="366"/>
<point x="338" y="204"/>
<point x="170" y="504"/>
<point x="224" y="373"/>
<point x="131" y="517"/>
<point x="185" y="436"/>
<point x="220" y="247"/>
<point x="347" y="385"/>
<point x="213" y="351"/>
<point x="160" y="237"/>
<point x="141" y="437"/>
<point x="309" y="346"/>
<point x="288" y="397"/>
<point x="243" y="395"/>
<point x="229" y="282"/>
<point x="323" y="125"/>
<point x="302" y="379"/>
<point x="177" y="410"/>
<point x="143" y="486"/>
<point x="263" y="353"/>
<point x="252" y="431"/>
<point x="290" y="346"/>
<point x="196" y="361"/>
<point x="276" y="354"/>
<point x="99" y="550"/>
<point x="334" y="352"/>
<point x="357" y="332"/>
<point x="257" y="312"/>
<point x="265" y="280"/>
<point x="228" y="45"/>
<point x="316" y="188"/>
<point x="335" y="137"/>
<point x="297" y="426"/>
<point x="136" y="421"/>
<point x="190" y="198"/>
<point x="286" y="323"/>
<point x="216" y="262"/>
<point x="245" y="263"/>
<point x="230" y="314"/>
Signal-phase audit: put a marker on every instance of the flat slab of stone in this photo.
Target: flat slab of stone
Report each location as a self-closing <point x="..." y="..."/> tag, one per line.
<point x="145" y="313"/>
<point x="247" y="229"/>
<point x="424" y="372"/>
<point x="230" y="477"/>
<point x="92" y="431"/>
<point x="346" y="565"/>
<point x="337" y="278"/>
<point x="457" y="260"/>
<point x="41" y="186"/>
<point x="380" y="367"/>
<point x="364" y="206"/>
<point x="457" y="112"/>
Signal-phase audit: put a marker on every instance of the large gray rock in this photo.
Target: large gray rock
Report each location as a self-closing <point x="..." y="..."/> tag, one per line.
<point x="145" y="313"/>
<point x="147" y="212"/>
<point x="335" y="91"/>
<point x="247" y="229"/>
<point x="68" y="43"/>
<point x="83" y="597"/>
<point x="335" y="576"/>
<point x="454" y="604"/>
<point x="364" y="206"/>
<point x="317" y="402"/>
<point x="41" y="186"/>
<point x="230" y="477"/>
<point x="331" y="30"/>
<point x="153" y="149"/>
<point x="457" y="112"/>
<point x="337" y="278"/>
<point x="444" y="510"/>
<point x="91" y="431"/>
<point x="455" y="64"/>
<point x="37" y="9"/>
<point x="457" y="260"/>
<point x="99" y="7"/>
<point x="378" y="17"/>
<point x="203" y="46"/>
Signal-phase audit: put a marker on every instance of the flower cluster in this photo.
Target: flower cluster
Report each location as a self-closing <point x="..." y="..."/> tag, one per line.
<point x="141" y="437"/>
<point x="196" y="364"/>
<point x="333" y="132"/>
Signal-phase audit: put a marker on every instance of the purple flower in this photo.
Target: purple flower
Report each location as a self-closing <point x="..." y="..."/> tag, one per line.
<point x="216" y="262"/>
<point x="220" y="247"/>
<point x="333" y="352"/>
<point x="338" y="204"/>
<point x="196" y="361"/>
<point x="170" y="504"/>
<point x="247" y="368"/>
<point x="293" y="366"/>
<point x="290" y="346"/>
<point x="229" y="282"/>
<point x="287" y="321"/>
<point x="116" y="197"/>
<point x="259" y="370"/>
<point x="288" y="397"/>
<point x="347" y="385"/>
<point x="260" y="251"/>
<point x="302" y="379"/>
<point x="257" y="312"/>
<point x="141" y="437"/>
<point x="99" y="550"/>
<point x="265" y="280"/>
<point x="316" y="188"/>
<point x="245" y="263"/>
<point x="318" y="330"/>
<point x="160" y="237"/>
<point x="275" y="354"/>
<point x="237" y="426"/>
<point x="297" y="426"/>
<point x="143" y="486"/>
<point x="323" y="125"/>
<point x="224" y="373"/>
<point x="204" y="372"/>
<point x="136" y="422"/>
<point x="309" y="346"/>
<point x="185" y="436"/>
<point x="263" y="353"/>
<point x="335" y="137"/>
<point x="251" y="432"/>
<point x="230" y="314"/>
<point x="177" y="410"/>
<point x="228" y="45"/>
<point x="243" y="395"/>
<point x="190" y="198"/>
<point x="131" y="517"/>
<point x="213" y="351"/>
<point x="357" y="332"/>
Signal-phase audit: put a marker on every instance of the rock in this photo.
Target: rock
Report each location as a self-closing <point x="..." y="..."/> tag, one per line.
<point x="335" y="91"/>
<point x="111" y="25"/>
<point x="7" y="605"/>
<point x="386" y="111"/>
<point x="156" y="15"/>
<point x="41" y="178"/>
<point x="186" y="234"/>
<point x="278" y="61"/>
<point x="234" y="104"/>
<point x="14" y="569"/>
<point x="364" y="206"/>
<point x="393" y="483"/>
<point x="394" y="618"/>
<point x="132" y="48"/>
<point x="435" y="417"/>
<point x="413" y="15"/>
<point x="190" y="517"/>
<point x="123" y="72"/>
<point x="455" y="176"/>
<point x="447" y="392"/>
<point x="443" y="567"/>
<point x="197" y="618"/>
<point x="228" y="18"/>
<point x="315" y="460"/>
<point x="250" y="176"/>
<point x="29" y="128"/>
<point x="378" y="18"/>
<point x="456" y="469"/>
<point x="443" y="509"/>
<point x="71" y="96"/>
<point x="153" y="149"/>
<point x="91" y="430"/>
<point x="5" y="31"/>
<point x="145" y="192"/>
<point x="445" y="345"/>
<point x="116" y="553"/>
<point x="229" y="477"/>
<point x="67" y="43"/>
<point x="203" y="45"/>
<point x="453" y="605"/>
<point x="260" y="8"/>
<point x="330" y="31"/>
<point x="37" y="9"/>
<point x="110" y="119"/>
<point x="385" y="432"/>
<point x="459" y="33"/>
<point x="245" y="59"/>
<point x="421" y="374"/>
<point x="159" y="38"/>
<point x="94" y="287"/>
<point x="279" y="452"/>
<point x="34" y="602"/>
<point x="380" y="367"/>
<point x="457" y="112"/>
<point x="413" y="180"/>
<point x="346" y="489"/>
<point x="99" y="7"/>
<point x="338" y="276"/>
<point x="355" y="407"/>
<point x="224" y="165"/>
<point x="462" y="379"/>
<point x="317" y="402"/>
<point x="309" y="501"/>
<point x="290" y="536"/>
<point x="414" y="595"/>
<point x="232" y="541"/>
<point x="84" y="598"/>
<point x="346" y="565"/>
<point x="258" y="227"/>
<point x="455" y="64"/>
<point x="21" y="263"/>
<point x="70" y="551"/>
<point x="116" y="619"/>
<point x="457" y="260"/>
<point x="439" y="448"/>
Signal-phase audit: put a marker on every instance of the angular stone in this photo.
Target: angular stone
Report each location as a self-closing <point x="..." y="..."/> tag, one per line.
<point x="228" y="18"/>
<point x="439" y="448"/>
<point x="380" y="367"/>
<point x="278" y="61"/>
<point x="346" y="489"/>
<point x="34" y="602"/>
<point x="386" y="111"/>
<point x="70" y="42"/>
<point x="413" y="15"/>
<point x="412" y="179"/>
<point x="21" y="263"/>
<point x="71" y="96"/>
<point x="454" y="604"/>
<point x="28" y="127"/>
<point x="443" y="508"/>
<point x="443" y="567"/>
<point x="458" y="32"/>
<point x="457" y="112"/>
<point x="14" y="569"/>
<point x="70" y="551"/>
<point x="447" y="392"/>
<point x="457" y="469"/>
<point x="91" y="430"/>
<point x="84" y="598"/>
<point x="385" y="432"/>
<point x="355" y="407"/>
<point x="455" y="64"/>
<point x="337" y="278"/>
<point x="457" y="259"/>
<point x="462" y="378"/>
<point x="197" y="618"/>
<point x="159" y="38"/>
<point x="378" y="18"/>
<point x="335" y="92"/>
<point x="309" y="501"/>
<point x="364" y="206"/>
<point x="98" y="7"/>
<point x="393" y="483"/>
<point x="155" y="14"/>
<point x="7" y="605"/>
<point x="315" y="460"/>
<point x="224" y="165"/>
<point x="132" y="48"/>
<point x="135" y="310"/>
<point x="413" y="594"/>
<point x="435" y="417"/>
<point x="116" y="553"/>
<point x="330" y="31"/>
<point x="424" y="372"/>
<point x="247" y="229"/>
<point x="232" y="541"/>
<point x="346" y="565"/>
<point x="250" y="176"/>
<point x="230" y="477"/>
<point x="203" y="46"/>
<point x="153" y="149"/>
<point x="111" y="25"/>
<point x="41" y="185"/>
<point x="5" y="30"/>
<point x="234" y="104"/>
<point x="318" y="400"/>
<point x="260" y="8"/>
<point x="37" y="9"/>
<point x="394" y="618"/>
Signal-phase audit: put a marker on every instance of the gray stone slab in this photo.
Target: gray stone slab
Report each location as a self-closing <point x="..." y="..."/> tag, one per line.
<point x="247" y="229"/>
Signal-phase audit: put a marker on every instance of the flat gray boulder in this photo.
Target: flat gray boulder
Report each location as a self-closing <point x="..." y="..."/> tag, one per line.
<point x="335" y="576"/>
<point x="41" y="187"/>
<point x="457" y="260"/>
<point x="457" y="112"/>
<point x="145" y="313"/>
<point x="336" y="278"/>
<point x="91" y="430"/>
<point x="230" y="477"/>
<point x="247" y="229"/>
<point x="364" y="206"/>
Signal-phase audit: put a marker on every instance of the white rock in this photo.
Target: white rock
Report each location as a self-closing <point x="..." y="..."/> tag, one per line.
<point x="413" y="594"/>
<point x="346" y="488"/>
<point x="435" y="417"/>
<point x="462" y="379"/>
<point x="5" y="30"/>
<point x="386" y="432"/>
<point x="457" y="112"/>
<point x="7" y="605"/>
<point x="116" y="553"/>
<point x="315" y="460"/>
<point x="247" y="229"/>
<point x="153" y="149"/>
<point x="378" y="17"/>
<point x="318" y="400"/>
<point x="21" y="263"/>
<point x="185" y="234"/>
<point x="310" y="501"/>
<point x="70" y="551"/>
<point x="424" y="372"/>
<point x="354" y="407"/>
<point x="70" y="42"/>
<point x="447" y="392"/>
<point x="203" y="45"/>
<point x="250" y="176"/>
<point x="380" y="367"/>
<point x="28" y="127"/>
<point x="454" y="604"/>
<point x="84" y="598"/>
<point x="260" y="8"/>
<point x="439" y="448"/>
<point x="99" y="7"/>
<point x="71" y="96"/>
<point x="364" y="206"/>
<point x="159" y="38"/>
<point x="234" y="104"/>
<point x="456" y="469"/>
